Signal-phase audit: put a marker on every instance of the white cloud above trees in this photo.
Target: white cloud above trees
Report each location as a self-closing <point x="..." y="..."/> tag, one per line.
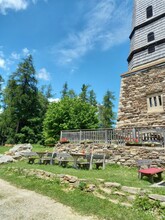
<point x="43" y="74"/>
<point x="2" y="63"/>
<point x="15" y="5"/>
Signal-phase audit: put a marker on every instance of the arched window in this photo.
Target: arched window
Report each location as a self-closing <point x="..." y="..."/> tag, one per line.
<point x="150" y="36"/>
<point x="149" y="11"/>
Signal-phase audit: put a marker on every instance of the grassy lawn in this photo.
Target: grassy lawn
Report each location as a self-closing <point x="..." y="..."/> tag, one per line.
<point x="83" y="202"/>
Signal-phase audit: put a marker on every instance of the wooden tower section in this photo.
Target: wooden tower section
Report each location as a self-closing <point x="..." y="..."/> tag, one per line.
<point x="142" y="92"/>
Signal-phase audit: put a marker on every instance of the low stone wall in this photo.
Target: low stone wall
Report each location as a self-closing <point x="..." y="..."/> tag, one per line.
<point x="126" y="155"/>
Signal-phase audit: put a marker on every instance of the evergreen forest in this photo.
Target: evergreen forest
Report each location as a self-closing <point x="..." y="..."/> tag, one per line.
<point x="27" y="115"/>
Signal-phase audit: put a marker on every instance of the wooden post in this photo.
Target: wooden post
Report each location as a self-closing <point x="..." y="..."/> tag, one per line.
<point x="91" y="158"/>
<point x="106" y="139"/>
<point x="61" y="135"/>
<point x="80" y="135"/>
<point x="163" y="136"/>
<point x="104" y="162"/>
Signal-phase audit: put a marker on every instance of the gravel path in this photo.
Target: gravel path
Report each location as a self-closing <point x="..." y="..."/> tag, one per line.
<point x="21" y="204"/>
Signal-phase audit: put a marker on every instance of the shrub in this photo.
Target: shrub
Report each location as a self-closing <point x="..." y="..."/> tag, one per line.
<point x="143" y="203"/>
<point x="50" y="141"/>
<point x="82" y="185"/>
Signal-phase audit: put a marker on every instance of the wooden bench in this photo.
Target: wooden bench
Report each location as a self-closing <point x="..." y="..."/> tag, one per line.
<point x="93" y="159"/>
<point x="49" y="158"/>
<point x="99" y="160"/>
<point x="150" y="172"/>
<point x="32" y="160"/>
<point x="32" y="156"/>
<point x="63" y="159"/>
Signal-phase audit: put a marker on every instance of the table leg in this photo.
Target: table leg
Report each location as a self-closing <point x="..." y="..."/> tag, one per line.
<point x="159" y="176"/>
<point x="40" y="161"/>
<point x="75" y="158"/>
<point x="151" y="178"/>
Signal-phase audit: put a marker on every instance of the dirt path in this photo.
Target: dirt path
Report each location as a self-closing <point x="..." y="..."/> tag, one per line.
<point x="21" y="204"/>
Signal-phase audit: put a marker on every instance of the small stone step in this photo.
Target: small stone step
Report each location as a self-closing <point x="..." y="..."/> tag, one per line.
<point x="115" y="201"/>
<point x="112" y="184"/>
<point x="106" y="190"/>
<point x="118" y="193"/>
<point x="131" y="198"/>
<point x="131" y="190"/>
<point x="157" y="197"/>
<point x="126" y="204"/>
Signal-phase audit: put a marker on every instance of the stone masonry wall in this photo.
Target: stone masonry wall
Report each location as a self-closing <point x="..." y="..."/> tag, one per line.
<point x="126" y="155"/>
<point x="135" y="88"/>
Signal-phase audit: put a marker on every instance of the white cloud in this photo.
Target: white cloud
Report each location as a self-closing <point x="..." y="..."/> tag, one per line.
<point x="11" y="61"/>
<point x="25" y="52"/>
<point x="13" y="4"/>
<point x="106" y="24"/>
<point x="1" y="53"/>
<point x="2" y="63"/>
<point x="54" y="99"/>
<point x="15" y="56"/>
<point x="43" y="74"/>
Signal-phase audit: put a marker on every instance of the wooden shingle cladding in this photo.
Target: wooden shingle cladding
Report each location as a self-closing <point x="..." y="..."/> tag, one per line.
<point x="142" y="27"/>
<point x="140" y="6"/>
<point x="142" y="90"/>
<point x="144" y="57"/>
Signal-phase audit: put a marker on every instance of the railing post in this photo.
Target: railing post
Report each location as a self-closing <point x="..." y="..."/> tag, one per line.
<point x="133" y="133"/>
<point x="61" y="135"/>
<point x="106" y="138"/>
<point x="163" y="138"/>
<point x="80" y="135"/>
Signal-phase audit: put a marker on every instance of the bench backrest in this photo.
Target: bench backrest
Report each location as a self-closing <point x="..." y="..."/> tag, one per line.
<point x="144" y="163"/>
<point x="91" y="157"/>
<point x="99" y="156"/>
<point x="63" y="155"/>
<point x="29" y="154"/>
<point x="52" y="155"/>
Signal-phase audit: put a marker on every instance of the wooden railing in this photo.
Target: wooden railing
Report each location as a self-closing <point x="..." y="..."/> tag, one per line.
<point x="119" y="136"/>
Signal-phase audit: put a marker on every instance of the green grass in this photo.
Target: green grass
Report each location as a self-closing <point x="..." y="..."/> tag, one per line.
<point x="41" y="148"/>
<point x="113" y="173"/>
<point x="36" y="147"/>
<point x="83" y="202"/>
<point x="4" y="149"/>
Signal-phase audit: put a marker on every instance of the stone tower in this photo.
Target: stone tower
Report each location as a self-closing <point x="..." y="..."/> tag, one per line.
<point x="142" y="92"/>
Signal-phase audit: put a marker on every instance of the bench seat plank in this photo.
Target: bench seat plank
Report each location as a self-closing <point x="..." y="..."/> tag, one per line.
<point x="151" y="171"/>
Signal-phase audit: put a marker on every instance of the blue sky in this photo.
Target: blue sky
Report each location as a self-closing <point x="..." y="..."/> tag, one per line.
<point x="73" y="41"/>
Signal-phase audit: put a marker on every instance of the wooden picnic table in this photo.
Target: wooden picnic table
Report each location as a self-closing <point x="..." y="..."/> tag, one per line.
<point x="41" y="155"/>
<point x="97" y="159"/>
<point x="31" y="156"/>
<point x="75" y="158"/>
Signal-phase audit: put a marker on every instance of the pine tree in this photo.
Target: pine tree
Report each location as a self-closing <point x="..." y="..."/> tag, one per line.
<point x="106" y="114"/>
<point x="24" y="106"/>
<point x="92" y="98"/>
<point x="84" y="93"/>
<point x="1" y="82"/>
<point x="64" y="91"/>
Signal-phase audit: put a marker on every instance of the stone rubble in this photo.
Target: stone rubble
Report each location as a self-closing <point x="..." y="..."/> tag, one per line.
<point x="15" y="153"/>
<point x="125" y="155"/>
